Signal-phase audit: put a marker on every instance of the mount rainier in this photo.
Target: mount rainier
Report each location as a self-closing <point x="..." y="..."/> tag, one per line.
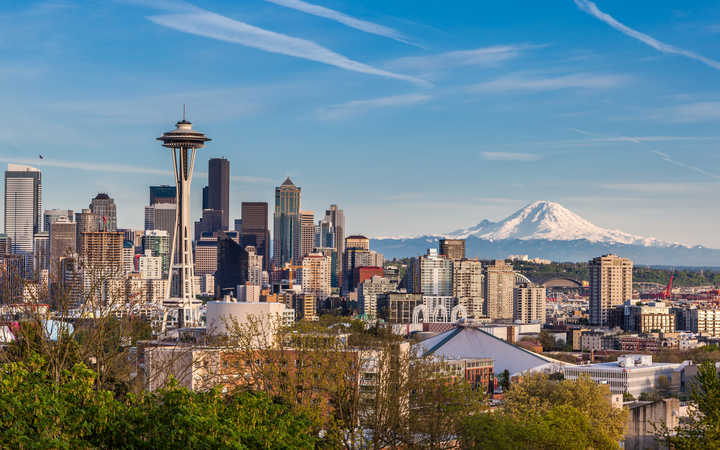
<point x="549" y="230"/>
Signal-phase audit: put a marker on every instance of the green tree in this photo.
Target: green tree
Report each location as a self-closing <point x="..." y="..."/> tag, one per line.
<point x="38" y="412"/>
<point x="702" y="430"/>
<point x="540" y="413"/>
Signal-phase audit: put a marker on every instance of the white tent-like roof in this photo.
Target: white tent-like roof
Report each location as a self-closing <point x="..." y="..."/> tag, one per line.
<point x="467" y="342"/>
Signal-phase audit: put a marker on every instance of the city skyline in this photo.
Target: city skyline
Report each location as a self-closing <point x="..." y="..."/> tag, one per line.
<point x="615" y="123"/>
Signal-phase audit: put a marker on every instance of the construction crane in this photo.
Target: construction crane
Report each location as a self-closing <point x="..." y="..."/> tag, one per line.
<point x="667" y="293"/>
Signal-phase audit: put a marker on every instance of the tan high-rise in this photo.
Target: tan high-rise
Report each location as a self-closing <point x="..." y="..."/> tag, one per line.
<point x="468" y="285"/>
<point x="499" y="284"/>
<point x="610" y="285"/>
<point x="307" y="233"/>
<point x="529" y="304"/>
<point x="452" y="248"/>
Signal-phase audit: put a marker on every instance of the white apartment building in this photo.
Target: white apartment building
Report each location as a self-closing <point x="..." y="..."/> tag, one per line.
<point x="316" y="273"/>
<point x="703" y="321"/>
<point x="150" y="267"/>
<point x="368" y="292"/>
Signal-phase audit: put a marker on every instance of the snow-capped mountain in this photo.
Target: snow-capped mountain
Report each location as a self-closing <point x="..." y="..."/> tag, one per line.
<point x="551" y="221"/>
<point x="549" y="230"/>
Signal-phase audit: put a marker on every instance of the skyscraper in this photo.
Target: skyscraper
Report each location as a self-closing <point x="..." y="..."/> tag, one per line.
<point x="336" y="218"/>
<point x="63" y="235"/>
<point x="210" y="223"/>
<point x="85" y="222"/>
<point x="158" y="243"/>
<point x="23" y="207"/>
<point x="105" y="212"/>
<point x="499" y="285"/>
<point x="286" y="229"/>
<point x="232" y="264"/>
<point x="161" y="216"/>
<point x="255" y="231"/>
<point x="610" y="285"/>
<point x="307" y="232"/>
<point x="218" y="197"/>
<point x="51" y="215"/>
<point x="436" y="275"/>
<point x="162" y="194"/>
<point x="453" y="248"/>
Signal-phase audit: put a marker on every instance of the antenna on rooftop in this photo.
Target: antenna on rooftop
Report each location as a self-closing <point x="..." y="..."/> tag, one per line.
<point x="183" y="112"/>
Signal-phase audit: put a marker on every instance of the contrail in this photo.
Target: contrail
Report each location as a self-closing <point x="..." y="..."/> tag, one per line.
<point x="592" y="9"/>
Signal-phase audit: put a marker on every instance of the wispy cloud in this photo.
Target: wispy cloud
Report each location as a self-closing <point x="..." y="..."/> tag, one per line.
<point x="487" y="56"/>
<point x="665" y="157"/>
<point x="691" y="112"/>
<point x="97" y="167"/>
<point x="592" y="9"/>
<point x="117" y="168"/>
<point x="661" y="187"/>
<point x="354" y="107"/>
<point x="572" y="81"/>
<point x="337" y="16"/>
<point x="191" y="19"/>
<point x="510" y="156"/>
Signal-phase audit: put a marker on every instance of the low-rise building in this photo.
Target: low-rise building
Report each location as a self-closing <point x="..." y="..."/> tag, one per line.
<point x="632" y="374"/>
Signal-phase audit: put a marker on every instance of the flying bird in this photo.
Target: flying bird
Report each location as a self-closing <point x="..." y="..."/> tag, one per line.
<point x="41" y="156"/>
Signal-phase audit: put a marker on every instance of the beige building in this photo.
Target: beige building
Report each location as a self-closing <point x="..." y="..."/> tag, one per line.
<point x="359" y="242"/>
<point x="529" y="304"/>
<point x="306" y="307"/>
<point x="468" y="285"/>
<point x="206" y="255"/>
<point x="499" y="285"/>
<point x="307" y="233"/>
<point x="316" y="273"/>
<point x="610" y="286"/>
<point x="703" y="321"/>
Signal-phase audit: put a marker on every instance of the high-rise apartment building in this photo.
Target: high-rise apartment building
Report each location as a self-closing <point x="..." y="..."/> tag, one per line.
<point x="358" y="254"/>
<point x="255" y="266"/>
<point x="128" y="256"/>
<point x="307" y="232"/>
<point x="51" y="215"/>
<point x="499" y="285"/>
<point x="150" y="267"/>
<point x="529" y="304"/>
<point x="358" y="242"/>
<point x="105" y="212"/>
<point x="610" y="286"/>
<point x="218" y="197"/>
<point x="254" y="229"/>
<point x="436" y="275"/>
<point x="63" y="235"/>
<point x="286" y="229"/>
<point x="368" y="292"/>
<point x="468" y="285"/>
<point x="85" y="222"/>
<point x="452" y="248"/>
<point x="316" y="270"/>
<point x="23" y="208"/>
<point x="163" y="194"/>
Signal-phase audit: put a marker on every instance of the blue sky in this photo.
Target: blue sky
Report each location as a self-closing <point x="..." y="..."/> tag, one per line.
<point x="412" y="116"/>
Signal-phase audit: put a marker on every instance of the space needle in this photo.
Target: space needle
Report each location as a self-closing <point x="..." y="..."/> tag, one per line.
<point x="183" y="141"/>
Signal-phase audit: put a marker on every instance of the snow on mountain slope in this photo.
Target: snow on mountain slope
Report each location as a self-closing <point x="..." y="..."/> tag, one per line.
<point x="551" y="221"/>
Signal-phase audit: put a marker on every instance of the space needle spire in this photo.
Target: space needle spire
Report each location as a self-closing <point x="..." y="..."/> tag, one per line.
<point x="183" y="141"/>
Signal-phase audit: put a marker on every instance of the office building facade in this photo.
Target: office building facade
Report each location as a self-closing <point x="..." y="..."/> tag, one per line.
<point x="286" y="227"/>
<point x="254" y="229"/>
<point x="105" y="212"/>
<point x="499" y="285"/>
<point x="23" y="207"/>
<point x="452" y="248"/>
<point x="218" y="197"/>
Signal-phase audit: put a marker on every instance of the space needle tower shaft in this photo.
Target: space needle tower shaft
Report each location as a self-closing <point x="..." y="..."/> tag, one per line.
<point x="183" y="141"/>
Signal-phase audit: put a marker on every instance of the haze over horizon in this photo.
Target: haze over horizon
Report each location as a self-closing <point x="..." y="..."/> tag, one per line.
<point x="414" y="118"/>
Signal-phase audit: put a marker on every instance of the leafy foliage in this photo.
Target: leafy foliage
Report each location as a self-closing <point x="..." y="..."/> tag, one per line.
<point x="702" y="431"/>
<point x="37" y="412"/>
<point x="540" y="413"/>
